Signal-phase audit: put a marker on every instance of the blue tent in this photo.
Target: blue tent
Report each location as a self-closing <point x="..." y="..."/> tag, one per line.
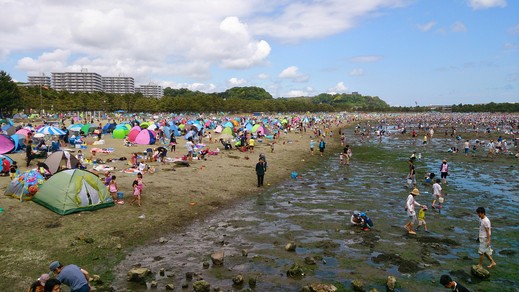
<point x="175" y="129"/>
<point x="18" y="142"/>
<point x="109" y="128"/>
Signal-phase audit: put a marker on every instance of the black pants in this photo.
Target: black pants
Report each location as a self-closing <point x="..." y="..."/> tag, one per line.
<point x="29" y="158"/>
<point x="260" y="179"/>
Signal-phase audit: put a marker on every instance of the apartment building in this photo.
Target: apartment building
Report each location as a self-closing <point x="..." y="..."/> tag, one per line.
<point x="150" y="90"/>
<point x="77" y="81"/>
<point x="39" y="80"/>
<point x="119" y="85"/>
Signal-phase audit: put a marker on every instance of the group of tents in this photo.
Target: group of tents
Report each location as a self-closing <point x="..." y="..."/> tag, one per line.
<point x="65" y="191"/>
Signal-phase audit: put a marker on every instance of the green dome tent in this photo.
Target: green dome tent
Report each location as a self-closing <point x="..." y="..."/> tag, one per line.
<point x="73" y="190"/>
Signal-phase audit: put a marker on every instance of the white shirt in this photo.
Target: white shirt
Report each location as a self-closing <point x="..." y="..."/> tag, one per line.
<point x="410" y="205"/>
<point x="485" y="223"/>
<point x="437" y="189"/>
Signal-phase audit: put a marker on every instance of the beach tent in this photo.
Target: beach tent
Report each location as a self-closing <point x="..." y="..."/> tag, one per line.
<point x="23" y="132"/>
<point x="145" y="137"/>
<point x="73" y="190"/>
<point x="18" y="141"/>
<point x="119" y="133"/>
<point x="228" y="131"/>
<point x="6" y="144"/>
<point x="144" y="125"/>
<point x="109" y="128"/>
<point x="60" y="158"/>
<point x="228" y="125"/>
<point x="133" y="133"/>
<point x="218" y="129"/>
<point x="9" y="129"/>
<point x="175" y="129"/>
<point x="25" y="185"/>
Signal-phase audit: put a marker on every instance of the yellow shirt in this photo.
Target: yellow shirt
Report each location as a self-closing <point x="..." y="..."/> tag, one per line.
<point x="421" y="214"/>
<point x="251" y="142"/>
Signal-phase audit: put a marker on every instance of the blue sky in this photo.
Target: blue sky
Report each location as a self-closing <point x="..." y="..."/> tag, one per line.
<point x="404" y="51"/>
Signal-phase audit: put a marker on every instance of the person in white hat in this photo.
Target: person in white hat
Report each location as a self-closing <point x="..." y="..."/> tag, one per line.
<point x="39" y="284"/>
<point x="409" y="207"/>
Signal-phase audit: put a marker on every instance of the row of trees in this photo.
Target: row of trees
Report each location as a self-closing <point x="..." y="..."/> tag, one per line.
<point x="14" y="98"/>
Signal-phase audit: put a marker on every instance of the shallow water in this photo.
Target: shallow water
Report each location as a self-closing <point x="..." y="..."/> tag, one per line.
<point x="314" y="211"/>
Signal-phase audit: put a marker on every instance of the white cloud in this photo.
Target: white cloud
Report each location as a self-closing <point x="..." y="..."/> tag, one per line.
<point x="426" y="26"/>
<point x="236" y="82"/>
<point x="308" y="91"/>
<point x="204" y="87"/>
<point x="366" y="59"/>
<point x="298" y="20"/>
<point x="483" y="4"/>
<point x="458" y="26"/>
<point x="357" y="72"/>
<point x="263" y="76"/>
<point x="339" y="88"/>
<point x="293" y="74"/>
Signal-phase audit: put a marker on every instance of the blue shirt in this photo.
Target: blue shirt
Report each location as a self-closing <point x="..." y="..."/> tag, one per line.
<point x="72" y="276"/>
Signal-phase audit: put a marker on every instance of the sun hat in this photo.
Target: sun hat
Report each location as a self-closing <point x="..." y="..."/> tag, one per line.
<point x="43" y="278"/>
<point x="415" y="192"/>
<point x="445" y="160"/>
<point x="54" y="265"/>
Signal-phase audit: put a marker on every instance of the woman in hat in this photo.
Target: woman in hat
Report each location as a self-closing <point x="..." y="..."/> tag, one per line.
<point x="444" y="170"/>
<point x="409" y="207"/>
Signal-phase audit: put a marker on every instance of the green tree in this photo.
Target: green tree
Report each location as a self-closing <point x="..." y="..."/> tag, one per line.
<point x="10" y="96"/>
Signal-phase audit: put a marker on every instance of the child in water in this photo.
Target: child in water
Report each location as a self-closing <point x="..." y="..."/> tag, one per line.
<point x="421" y="219"/>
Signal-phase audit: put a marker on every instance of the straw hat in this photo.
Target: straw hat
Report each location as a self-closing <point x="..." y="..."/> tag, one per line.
<point x="415" y="192"/>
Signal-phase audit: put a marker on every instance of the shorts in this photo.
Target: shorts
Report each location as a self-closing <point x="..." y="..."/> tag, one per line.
<point x="444" y="175"/>
<point x="321" y="149"/>
<point x="312" y="149"/>
<point x="412" y="218"/>
<point x="421" y="222"/>
<point x="484" y="248"/>
<point x="466" y="150"/>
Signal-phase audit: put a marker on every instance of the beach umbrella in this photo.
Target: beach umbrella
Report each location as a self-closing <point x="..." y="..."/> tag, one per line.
<point x="75" y="127"/>
<point x="50" y="130"/>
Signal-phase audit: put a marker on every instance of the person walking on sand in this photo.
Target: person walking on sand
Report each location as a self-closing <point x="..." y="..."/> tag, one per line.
<point x="485" y="232"/>
<point x="136" y="193"/>
<point x="112" y="188"/>
<point x="409" y="207"/>
<point x="260" y="171"/>
<point x="312" y="146"/>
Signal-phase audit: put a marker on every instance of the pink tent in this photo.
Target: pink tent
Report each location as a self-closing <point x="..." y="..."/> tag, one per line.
<point x="133" y="133"/>
<point x="6" y="144"/>
<point x="145" y="137"/>
<point x="23" y="132"/>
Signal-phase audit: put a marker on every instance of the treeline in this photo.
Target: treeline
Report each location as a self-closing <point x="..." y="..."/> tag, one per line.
<point x="16" y="98"/>
<point x="233" y="100"/>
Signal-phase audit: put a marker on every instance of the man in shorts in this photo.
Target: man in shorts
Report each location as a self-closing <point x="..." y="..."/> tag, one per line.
<point x="484" y="238"/>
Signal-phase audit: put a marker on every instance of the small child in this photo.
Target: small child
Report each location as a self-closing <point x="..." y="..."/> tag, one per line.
<point x="421" y="219"/>
<point x="13" y="170"/>
<point x="341" y="158"/>
<point x="136" y="193"/>
<point x="112" y="188"/>
<point x="272" y="147"/>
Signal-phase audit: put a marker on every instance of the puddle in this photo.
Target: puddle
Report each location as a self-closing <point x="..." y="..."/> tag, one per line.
<point x="314" y="212"/>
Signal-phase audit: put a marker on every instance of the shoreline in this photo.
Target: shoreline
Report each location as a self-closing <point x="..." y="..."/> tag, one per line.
<point x="172" y="200"/>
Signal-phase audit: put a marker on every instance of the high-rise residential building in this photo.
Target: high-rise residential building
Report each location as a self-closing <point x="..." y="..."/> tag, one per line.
<point x="120" y="85"/>
<point x="39" y="80"/>
<point x="150" y="90"/>
<point x="77" y="81"/>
